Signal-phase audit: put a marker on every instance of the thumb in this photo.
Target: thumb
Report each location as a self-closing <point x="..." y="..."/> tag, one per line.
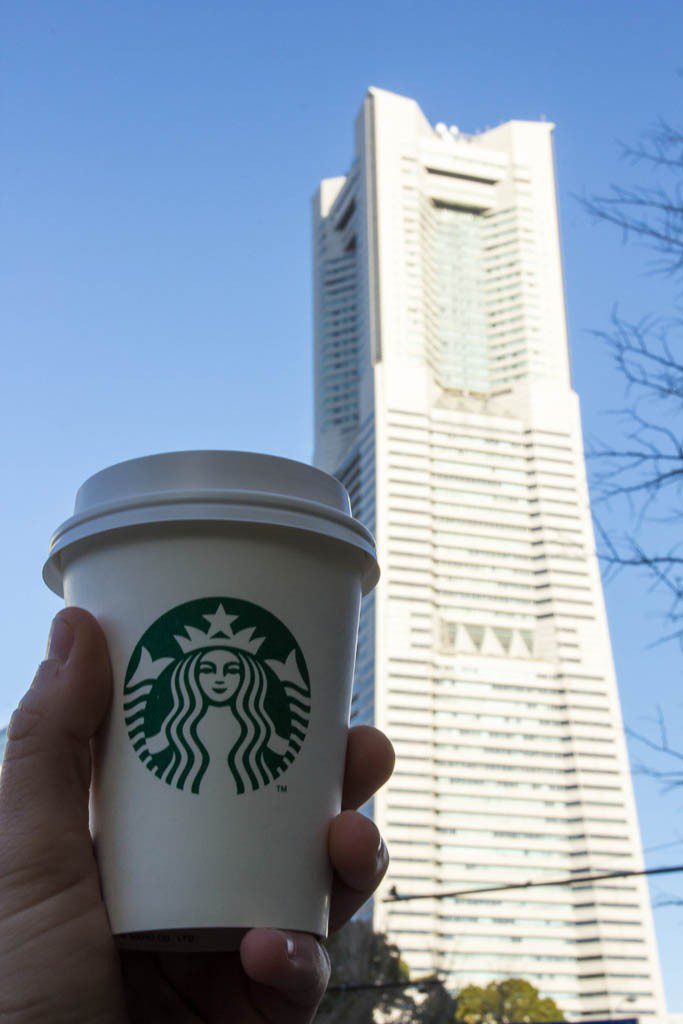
<point x="45" y="775"/>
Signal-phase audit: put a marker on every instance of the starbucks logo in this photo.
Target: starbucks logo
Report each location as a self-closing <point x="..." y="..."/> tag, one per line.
<point x="217" y="685"/>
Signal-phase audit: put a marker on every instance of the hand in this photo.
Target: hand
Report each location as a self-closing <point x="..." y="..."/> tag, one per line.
<point x="58" y="961"/>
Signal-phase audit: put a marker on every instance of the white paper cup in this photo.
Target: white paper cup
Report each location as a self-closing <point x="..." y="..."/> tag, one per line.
<point x="228" y="586"/>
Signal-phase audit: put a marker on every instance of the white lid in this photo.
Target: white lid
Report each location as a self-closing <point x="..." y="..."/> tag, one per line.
<point x="212" y="486"/>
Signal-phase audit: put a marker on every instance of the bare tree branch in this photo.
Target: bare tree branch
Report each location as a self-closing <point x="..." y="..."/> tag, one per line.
<point x="643" y="470"/>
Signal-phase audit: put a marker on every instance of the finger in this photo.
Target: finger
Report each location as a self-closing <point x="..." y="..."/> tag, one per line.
<point x="369" y="763"/>
<point x="288" y="974"/>
<point x="360" y="859"/>
<point x="46" y="769"/>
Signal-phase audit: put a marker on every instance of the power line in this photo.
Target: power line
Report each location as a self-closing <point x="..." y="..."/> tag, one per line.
<point x="370" y="986"/>
<point x="570" y="880"/>
<point x="663" y="846"/>
<point x="396" y="897"/>
<point x="431" y="982"/>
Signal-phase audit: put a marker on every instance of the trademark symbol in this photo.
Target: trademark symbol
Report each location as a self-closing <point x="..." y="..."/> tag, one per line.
<point x="281" y="789"/>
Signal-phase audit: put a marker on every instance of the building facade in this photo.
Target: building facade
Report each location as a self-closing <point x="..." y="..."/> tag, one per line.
<point x="443" y="400"/>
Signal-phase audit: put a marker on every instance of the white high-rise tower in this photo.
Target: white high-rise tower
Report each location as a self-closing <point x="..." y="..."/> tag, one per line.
<point x="444" y="402"/>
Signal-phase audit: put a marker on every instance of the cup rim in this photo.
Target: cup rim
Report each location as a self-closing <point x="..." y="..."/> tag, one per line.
<point x="246" y="507"/>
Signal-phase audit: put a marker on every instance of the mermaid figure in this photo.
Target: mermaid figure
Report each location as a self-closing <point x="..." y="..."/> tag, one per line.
<point x="221" y="678"/>
<point x="167" y="698"/>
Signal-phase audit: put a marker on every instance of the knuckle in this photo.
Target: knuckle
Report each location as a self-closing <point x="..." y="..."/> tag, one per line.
<point x="383" y="861"/>
<point x="32" y="714"/>
<point x="320" y="970"/>
<point x="391" y="753"/>
<point x="313" y="970"/>
<point x="326" y="963"/>
<point x="25" y="724"/>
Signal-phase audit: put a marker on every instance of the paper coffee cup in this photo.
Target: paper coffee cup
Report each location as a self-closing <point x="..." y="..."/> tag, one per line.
<point x="228" y="586"/>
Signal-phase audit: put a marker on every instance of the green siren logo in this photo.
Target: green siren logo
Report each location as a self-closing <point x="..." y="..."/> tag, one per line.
<point x="217" y="686"/>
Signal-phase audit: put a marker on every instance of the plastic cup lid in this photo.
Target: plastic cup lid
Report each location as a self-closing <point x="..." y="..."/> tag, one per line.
<point x="212" y="486"/>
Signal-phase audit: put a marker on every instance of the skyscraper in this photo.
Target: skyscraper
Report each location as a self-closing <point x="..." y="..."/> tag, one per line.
<point x="444" y="402"/>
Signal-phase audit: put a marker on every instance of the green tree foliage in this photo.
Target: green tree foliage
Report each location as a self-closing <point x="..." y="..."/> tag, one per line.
<point x="437" y="1007"/>
<point x="361" y="957"/>
<point x="512" y="1001"/>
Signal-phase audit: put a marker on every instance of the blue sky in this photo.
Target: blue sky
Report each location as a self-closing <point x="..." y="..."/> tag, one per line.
<point x="159" y="162"/>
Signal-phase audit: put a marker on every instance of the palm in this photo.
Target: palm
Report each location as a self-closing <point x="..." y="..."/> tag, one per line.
<point x="190" y="988"/>
<point x="58" y="960"/>
<point x="74" y="971"/>
<point x="187" y="988"/>
<point x="215" y="988"/>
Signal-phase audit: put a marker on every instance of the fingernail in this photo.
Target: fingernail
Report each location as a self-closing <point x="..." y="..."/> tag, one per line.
<point x="60" y="640"/>
<point x="382" y="858"/>
<point x="290" y="946"/>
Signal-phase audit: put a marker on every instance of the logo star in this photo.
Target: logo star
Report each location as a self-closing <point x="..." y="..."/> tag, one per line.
<point x="220" y="622"/>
